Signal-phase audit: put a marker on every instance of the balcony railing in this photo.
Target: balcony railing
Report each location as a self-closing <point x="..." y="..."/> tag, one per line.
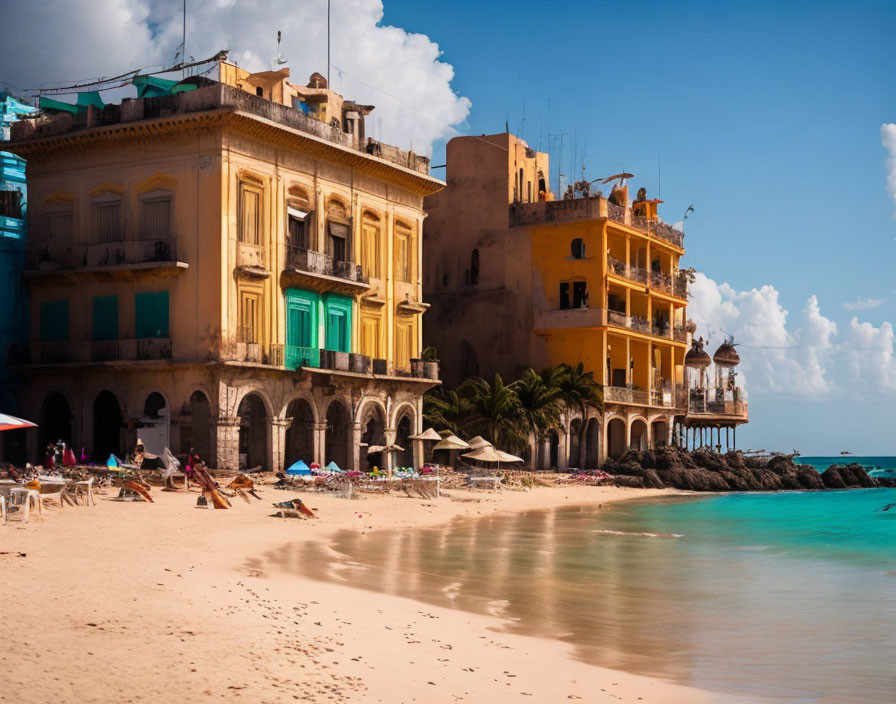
<point x="680" y="285"/>
<point x="661" y="282"/>
<point x="296" y="357"/>
<point x="717" y="402"/>
<point x="91" y="351"/>
<point x="660" y="398"/>
<point x="659" y="229"/>
<point x="312" y="262"/>
<point x="105" y="254"/>
<point x="679" y="333"/>
<point x="617" y="318"/>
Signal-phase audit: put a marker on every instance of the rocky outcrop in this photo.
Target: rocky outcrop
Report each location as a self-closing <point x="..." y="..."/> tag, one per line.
<point x="704" y="470"/>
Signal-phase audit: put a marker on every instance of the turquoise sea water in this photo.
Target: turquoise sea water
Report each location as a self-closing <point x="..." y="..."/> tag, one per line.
<point x="788" y="596"/>
<point x="875" y="466"/>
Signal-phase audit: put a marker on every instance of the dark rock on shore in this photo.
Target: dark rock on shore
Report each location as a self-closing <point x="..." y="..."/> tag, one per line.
<point x="704" y="470"/>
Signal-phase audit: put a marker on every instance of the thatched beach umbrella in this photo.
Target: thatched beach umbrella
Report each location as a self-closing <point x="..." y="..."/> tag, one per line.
<point x="478" y="442"/>
<point x="491" y="455"/>
<point x="453" y="445"/>
<point x="428" y="435"/>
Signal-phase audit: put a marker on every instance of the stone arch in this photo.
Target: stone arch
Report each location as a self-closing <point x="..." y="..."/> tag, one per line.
<point x="300" y="433"/>
<point x="260" y="392"/>
<point x="404" y="408"/>
<point x="616" y="437"/>
<point x="55" y="419"/>
<point x="592" y="443"/>
<point x="405" y="415"/>
<point x="107" y="426"/>
<point x="553" y="449"/>
<point x="201" y="427"/>
<point x="638" y="435"/>
<point x="575" y="447"/>
<point x="253" y="431"/>
<point x="372" y="420"/>
<point x="338" y="434"/>
<point x="155" y="421"/>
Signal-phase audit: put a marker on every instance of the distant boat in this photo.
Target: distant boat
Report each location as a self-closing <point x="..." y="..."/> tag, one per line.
<point x="845" y="452"/>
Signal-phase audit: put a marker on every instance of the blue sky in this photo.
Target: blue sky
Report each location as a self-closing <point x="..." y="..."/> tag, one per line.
<point x="766" y="116"/>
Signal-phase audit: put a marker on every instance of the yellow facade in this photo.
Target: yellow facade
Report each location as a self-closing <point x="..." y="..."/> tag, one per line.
<point x="184" y="234"/>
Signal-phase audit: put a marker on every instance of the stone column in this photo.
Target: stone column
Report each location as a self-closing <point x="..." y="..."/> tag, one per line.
<point x="562" y="449"/>
<point x="277" y="428"/>
<point x="355" y="454"/>
<point x="319" y="438"/>
<point x="389" y="456"/>
<point x="418" y="454"/>
<point x="544" y="455"/>
<point x="228" y="442"/>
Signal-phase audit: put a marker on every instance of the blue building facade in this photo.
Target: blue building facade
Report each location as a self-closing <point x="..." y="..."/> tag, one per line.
<point x="13" y="236"/>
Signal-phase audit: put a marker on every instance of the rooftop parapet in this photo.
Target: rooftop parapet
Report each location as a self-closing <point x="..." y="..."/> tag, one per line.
<point x="570" y="209"/>
<point x="211" y="97"/>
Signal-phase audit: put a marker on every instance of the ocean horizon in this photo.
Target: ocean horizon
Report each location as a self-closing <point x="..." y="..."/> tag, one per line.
<point x="786" y="596"/>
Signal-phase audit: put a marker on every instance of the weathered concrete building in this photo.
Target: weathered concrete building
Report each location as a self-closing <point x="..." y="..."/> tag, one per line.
<point x="517" y="279"/>
<point x="229" y="265"/>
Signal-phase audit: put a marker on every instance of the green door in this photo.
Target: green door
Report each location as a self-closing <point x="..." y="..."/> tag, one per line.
<point x="105" y="318"/>
<point x="338" y="322"/>
<point x="301" y="329"/>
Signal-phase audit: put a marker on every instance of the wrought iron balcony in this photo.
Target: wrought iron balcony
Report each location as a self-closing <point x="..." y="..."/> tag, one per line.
<point x="321" y="270"/>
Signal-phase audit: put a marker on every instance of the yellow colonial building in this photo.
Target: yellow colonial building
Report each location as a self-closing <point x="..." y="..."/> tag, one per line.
<point x="229" y="265"/>
<point x="518" y="279"/>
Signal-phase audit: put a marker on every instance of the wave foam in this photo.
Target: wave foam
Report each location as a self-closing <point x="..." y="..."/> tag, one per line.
<point x="642" y="535"/>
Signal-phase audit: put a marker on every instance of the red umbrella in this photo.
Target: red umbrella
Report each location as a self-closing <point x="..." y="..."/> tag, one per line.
<point x="13" y="423"/>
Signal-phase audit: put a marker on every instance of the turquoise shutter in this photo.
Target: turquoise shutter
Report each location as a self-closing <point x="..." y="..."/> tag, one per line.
<point x="54" y="321"/>
<point x="105" y="318"/>
<point x="151" y="313"/>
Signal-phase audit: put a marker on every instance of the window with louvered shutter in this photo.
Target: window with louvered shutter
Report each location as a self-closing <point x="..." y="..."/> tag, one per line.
<point x="155" y="218"/>
<point x="60" y="228"/>
<point x="107" y="222"/>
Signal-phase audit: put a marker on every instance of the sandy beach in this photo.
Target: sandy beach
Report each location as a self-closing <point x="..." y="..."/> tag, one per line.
<point x="136" y="602"/>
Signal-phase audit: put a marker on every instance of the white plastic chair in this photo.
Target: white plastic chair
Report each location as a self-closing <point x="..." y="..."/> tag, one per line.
<point x="21" y="500"/>
<point x="3" y="508"/>
<point x="82" y="490"/>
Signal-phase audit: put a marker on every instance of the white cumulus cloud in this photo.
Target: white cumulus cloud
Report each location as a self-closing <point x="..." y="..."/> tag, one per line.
<point x="802" y="355"/>
<point x="864" y="304"/>
<point x="399" y="72"/>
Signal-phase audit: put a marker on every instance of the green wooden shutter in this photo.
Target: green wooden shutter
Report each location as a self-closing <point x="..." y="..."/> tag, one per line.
<point x="54" y="321"/>
<point x="105" y="318"/>
<point x="151" y="313"/>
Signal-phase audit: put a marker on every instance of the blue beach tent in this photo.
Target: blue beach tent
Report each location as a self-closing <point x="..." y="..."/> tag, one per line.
<point x="333" y="467"/>
<point x="299" y="468"/>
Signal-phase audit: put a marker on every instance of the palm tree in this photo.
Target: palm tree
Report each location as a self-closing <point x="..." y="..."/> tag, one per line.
<point x="445" y="409"/>
<point x="540" y="405"/>
<point x="579" y="391"/>
<point x="496" y="413"/>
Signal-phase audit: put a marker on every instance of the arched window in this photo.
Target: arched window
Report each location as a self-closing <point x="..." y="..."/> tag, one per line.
<point x="474" y="267"/>
<point x="578" y="248"/>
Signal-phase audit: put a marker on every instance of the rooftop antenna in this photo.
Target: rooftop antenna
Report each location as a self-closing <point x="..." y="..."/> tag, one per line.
<point x="183" y="56"/>
<point x="280" y="59"/>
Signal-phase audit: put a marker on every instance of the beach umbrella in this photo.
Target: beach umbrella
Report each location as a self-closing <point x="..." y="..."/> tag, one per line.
<point x="478" y="442"/>
<point x="315" y="465"/>
<point x="13" y="423"/>
<point x="299" y="468"/>
<point x="428" y="434"/>
<point x="452" y="442"/>
<point x="333" y="467"/>
<point x="490" y="454"/>
<point x="373" y="449"/>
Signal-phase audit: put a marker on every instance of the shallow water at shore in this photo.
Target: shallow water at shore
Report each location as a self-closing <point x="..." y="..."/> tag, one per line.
<point x="789" y="595"/>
